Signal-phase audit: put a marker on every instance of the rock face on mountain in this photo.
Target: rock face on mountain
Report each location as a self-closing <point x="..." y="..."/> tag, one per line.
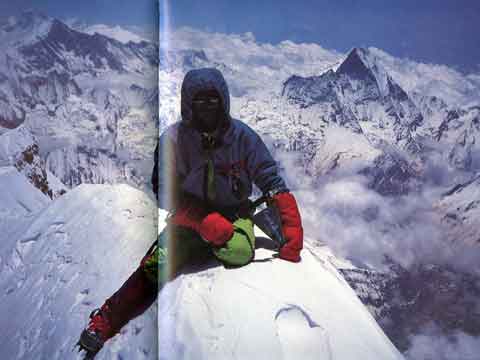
<point x="19" y="148"/>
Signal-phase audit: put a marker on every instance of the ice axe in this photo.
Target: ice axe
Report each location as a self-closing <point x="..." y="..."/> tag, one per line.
<point x="268" y="219"/>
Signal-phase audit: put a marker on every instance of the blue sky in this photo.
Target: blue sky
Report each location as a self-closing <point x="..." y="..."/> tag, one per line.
<point x="437" y="31"/>
<point x="111" y="12"/>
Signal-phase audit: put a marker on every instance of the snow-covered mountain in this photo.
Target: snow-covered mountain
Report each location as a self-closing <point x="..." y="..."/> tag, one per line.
<point x="360" y="96"/>
<point x="51" y="280"/>
<point x="460" y="209"/>
<point x="79" y="105"/>
<point x="391" y="133"/>
<point x="90" y="100"/>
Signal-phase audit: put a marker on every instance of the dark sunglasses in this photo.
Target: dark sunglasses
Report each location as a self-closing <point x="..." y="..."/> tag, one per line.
<point x="205" y="101"/>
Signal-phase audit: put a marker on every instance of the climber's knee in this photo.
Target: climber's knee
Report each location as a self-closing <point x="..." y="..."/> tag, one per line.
<point x="153" y="265"/>
<point x="238" y="251"/>
<point x="241" y="255"/>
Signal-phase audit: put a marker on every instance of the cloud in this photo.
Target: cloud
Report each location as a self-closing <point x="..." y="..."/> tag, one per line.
<point x="363" y="226"/>
<point x="263" y="63"/>
<point x="123" y="34"/>
<point x="253" y="67"/>
<point x="433" y="344"/>
<point x="358" y="223"/>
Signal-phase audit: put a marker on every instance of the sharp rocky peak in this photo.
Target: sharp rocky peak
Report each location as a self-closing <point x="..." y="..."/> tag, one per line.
<point x="357" y="64"/>
<point x="361" y="64"/>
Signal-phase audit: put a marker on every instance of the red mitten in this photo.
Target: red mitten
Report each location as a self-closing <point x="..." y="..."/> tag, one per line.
<point x="291" y="226"/>
<point x="216" y="229"/>
<point x="212" y="227"/>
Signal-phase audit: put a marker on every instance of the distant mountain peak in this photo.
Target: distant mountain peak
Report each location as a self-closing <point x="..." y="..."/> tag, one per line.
<point x="361" y="64"/>
<point x="355" y="65"/>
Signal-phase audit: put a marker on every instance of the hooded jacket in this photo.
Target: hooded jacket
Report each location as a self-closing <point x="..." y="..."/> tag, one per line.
<point x="240" y="160"/>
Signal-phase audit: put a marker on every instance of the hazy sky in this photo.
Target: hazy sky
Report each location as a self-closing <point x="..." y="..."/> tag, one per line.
<point x="112" y="12"/>
<point x="437" y="31"/>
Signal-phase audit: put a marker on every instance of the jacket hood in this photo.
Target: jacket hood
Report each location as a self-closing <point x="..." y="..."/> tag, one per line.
<point x="203" y="79"/>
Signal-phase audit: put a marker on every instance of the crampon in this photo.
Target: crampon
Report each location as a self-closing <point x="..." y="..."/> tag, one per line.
<point x="95" y="334"/>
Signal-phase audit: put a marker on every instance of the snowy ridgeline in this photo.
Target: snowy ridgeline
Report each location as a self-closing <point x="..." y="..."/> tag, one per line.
<point x="62" y="258"/>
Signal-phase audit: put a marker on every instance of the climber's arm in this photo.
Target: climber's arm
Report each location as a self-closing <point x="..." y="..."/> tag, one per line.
<point x="264" y="172"/>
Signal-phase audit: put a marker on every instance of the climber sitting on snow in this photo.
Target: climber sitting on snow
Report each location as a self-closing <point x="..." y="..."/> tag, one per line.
<point x="207" y="164"/>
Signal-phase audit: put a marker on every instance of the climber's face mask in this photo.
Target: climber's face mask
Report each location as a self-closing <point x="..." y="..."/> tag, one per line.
<point x="206" y="108"/>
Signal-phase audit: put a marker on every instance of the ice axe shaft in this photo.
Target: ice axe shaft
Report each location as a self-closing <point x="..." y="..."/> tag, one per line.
<point x="268" y="219"/>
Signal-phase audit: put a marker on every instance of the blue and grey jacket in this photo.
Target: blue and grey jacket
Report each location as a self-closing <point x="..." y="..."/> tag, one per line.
<point x="240" y="160"/>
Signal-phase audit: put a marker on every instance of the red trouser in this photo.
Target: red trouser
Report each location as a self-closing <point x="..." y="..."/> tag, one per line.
<point x="139" y="292"/>
<point x="132" y="299"/>
<point x="185" y="246"/>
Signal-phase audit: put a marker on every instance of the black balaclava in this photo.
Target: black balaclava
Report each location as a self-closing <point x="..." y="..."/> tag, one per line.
<point x="207" y="111"/>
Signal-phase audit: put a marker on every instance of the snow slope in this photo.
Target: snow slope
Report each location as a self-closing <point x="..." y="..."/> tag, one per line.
<point x="19" y="203"/>
<point x="65" y="261"/>
<point x="78" y="249"/>
<point x="18" y="197"/>
<point x="270" y="309"/>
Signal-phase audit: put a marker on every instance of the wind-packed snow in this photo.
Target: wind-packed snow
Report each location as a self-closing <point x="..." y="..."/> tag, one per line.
<point x="269" y="309"/>
<point x="78" y="249"/>
<point x="19" y="204"/>
<point x="66" y="260"/>
<point x="17" y="195"/>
